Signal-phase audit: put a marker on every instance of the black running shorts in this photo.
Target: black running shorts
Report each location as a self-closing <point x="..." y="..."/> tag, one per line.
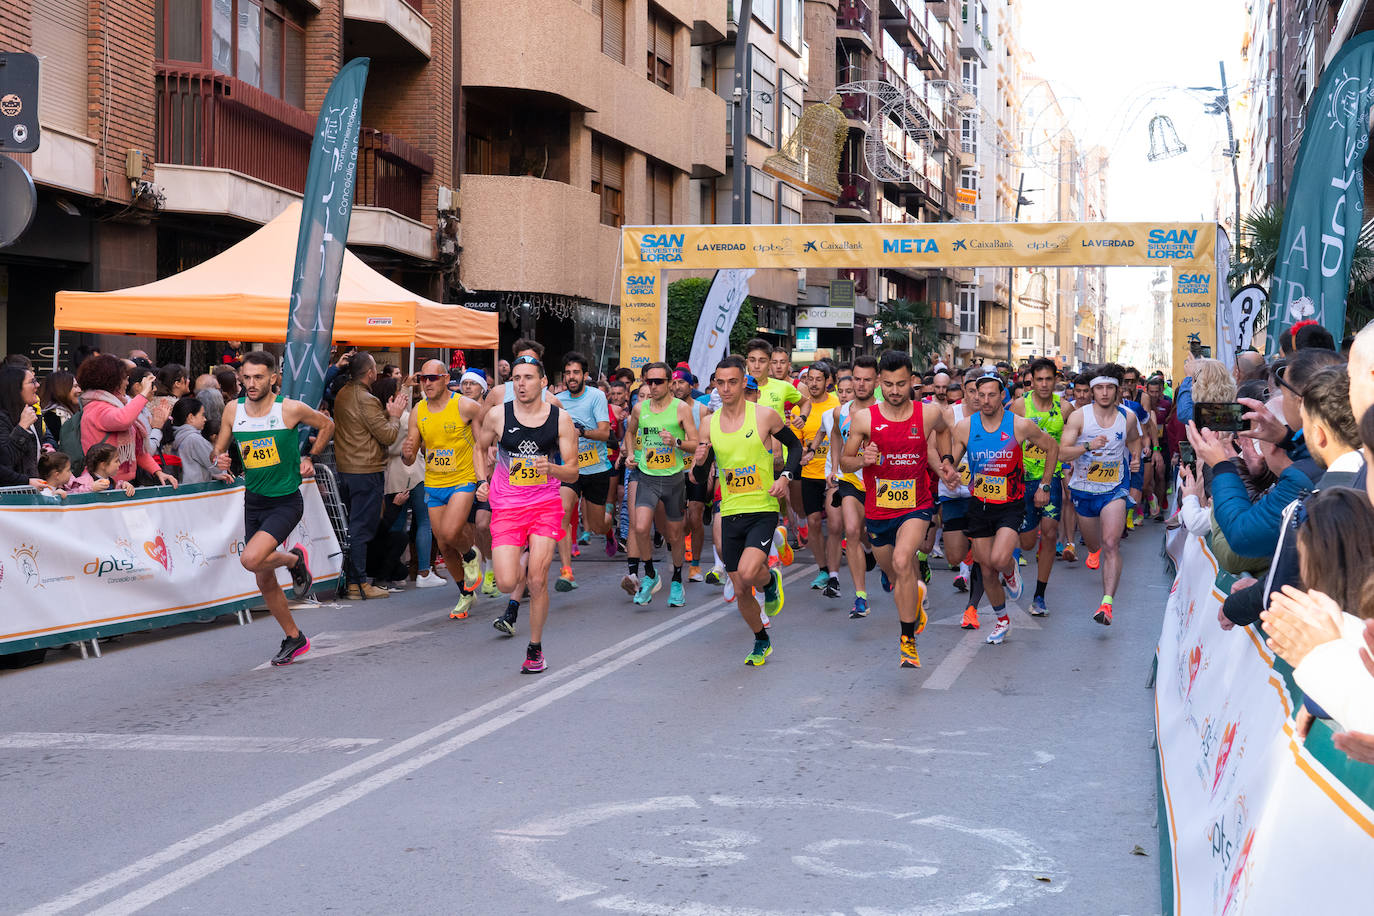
<point x="739" y="532"/>
<point x="276" y="515"/>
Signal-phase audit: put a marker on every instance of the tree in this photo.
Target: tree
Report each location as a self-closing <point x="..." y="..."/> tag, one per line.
<point x="686" y="298"/>
<point x="909" y="326"/>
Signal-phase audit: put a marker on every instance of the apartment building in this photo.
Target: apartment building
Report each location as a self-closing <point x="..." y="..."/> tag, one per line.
<point x="173" y="128"/>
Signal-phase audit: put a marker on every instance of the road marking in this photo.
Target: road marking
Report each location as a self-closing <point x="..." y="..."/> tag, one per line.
<point x="571" y="679"/>
<point x="954" y="662"/>
<point x="212" y="743"/>
<point x="323" y="645"/>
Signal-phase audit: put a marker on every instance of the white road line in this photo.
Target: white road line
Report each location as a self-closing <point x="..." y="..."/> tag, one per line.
<point x="214" y="743"/>
<point x="617" y="655"/>
<point x="954" y="663"/>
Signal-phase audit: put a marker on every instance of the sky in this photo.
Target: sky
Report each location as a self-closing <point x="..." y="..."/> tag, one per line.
<point x="1114" y="66"/>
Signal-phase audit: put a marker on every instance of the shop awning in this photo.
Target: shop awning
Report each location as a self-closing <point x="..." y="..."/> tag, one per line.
<point x="242" y="294"/>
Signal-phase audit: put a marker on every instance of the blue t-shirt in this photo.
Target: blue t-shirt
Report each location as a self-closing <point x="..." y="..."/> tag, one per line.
<point x="588" y="409"/>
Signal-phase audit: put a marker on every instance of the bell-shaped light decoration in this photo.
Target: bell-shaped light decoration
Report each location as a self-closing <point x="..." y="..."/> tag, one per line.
<point x="1164" y="141"/>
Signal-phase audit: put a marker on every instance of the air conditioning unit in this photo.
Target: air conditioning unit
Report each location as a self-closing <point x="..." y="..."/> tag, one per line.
<point x="449" y="199"/>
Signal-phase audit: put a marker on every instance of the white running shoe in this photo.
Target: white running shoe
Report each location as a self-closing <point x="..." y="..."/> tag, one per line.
<point x="999" y="631"/>
<point x="430" y="579"/>
<point x="729" y="589"/>
<point x="1013" y="583"/>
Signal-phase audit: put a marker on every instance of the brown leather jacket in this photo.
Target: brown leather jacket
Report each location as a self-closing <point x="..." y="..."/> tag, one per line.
<point x="362" y="431"/>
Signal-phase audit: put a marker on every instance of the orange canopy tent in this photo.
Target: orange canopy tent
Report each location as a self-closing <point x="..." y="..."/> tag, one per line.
<point x="243" y="294"/>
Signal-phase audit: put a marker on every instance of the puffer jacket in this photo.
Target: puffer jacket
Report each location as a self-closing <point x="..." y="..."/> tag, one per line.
<point x="1252" y="529"/>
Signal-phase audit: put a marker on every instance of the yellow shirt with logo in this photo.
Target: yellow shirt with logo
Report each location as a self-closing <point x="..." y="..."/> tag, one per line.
<point x="448" y="444"/>
<point x="815" y="469"/>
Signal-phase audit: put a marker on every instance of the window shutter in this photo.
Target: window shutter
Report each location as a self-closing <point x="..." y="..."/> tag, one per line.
<point x="59" y="34"/>
<point x="663" y="38"/>
<point x="663" y="193"/>
<point x="612" y="166"/>
<point x="613" y="29"/>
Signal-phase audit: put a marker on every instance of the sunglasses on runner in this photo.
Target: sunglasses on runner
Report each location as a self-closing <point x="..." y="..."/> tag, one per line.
<point x="655" y="381"/>
<point x="430" y="378"/>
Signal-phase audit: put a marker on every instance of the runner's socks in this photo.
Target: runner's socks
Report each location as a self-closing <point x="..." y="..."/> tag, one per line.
<point x="908" y="629"/>
<point x="677" y="573"/>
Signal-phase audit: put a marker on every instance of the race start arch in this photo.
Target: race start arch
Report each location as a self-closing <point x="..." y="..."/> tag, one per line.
<point x="1190" y="250"/>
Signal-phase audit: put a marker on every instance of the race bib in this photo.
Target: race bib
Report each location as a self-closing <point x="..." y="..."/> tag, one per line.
<point x="990" y="488"/>
<point x="896" y="494"/>
<point x="822" y="453"/>
<point x="523" y="473"/>
<point x="1032" y="452"/>
<point x="588" y="457"/>
<point x="659" y="457"/>
<point x="965" y="474"/>
<point x="743" y="479"/>
<point x="261" y="453"/>
<point x="441" y="459"/>
<point x="1104" y="471"/>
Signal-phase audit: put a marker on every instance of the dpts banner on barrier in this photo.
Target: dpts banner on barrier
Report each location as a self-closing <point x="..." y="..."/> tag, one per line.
<point x="1254" y="819"/>
<point x="111" y="561"/>
<point x="729" y="289"/>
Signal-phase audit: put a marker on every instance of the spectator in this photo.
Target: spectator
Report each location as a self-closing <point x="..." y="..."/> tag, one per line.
<point x="1212" y="382"/>
<point x="502" y="371"/>
<point x="1249" y="366"/>
<point x="404" y="499"/>
<point x="19" y="361"/>
<point x="55" y="470"/>
<point x="1183" y="399"/>
<point x="102" y="466"/>
<point x="189" y="442"/>
<point x="1305" y="335"/>
<point x="214" y="410"/>
<point x="59" y="401"/>
<point x="172" y="381"/>
<point x="108" y="417"/>
<point x="362" y="432"/>
<point x="20" y="430"/>
<point x="1290" y="378"/>
<point x="205" y="381"/>
<point x="228" y="381"/>
<point x="140" y="359"/>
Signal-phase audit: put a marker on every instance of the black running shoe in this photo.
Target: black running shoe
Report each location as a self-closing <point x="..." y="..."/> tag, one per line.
<point x="505" y="623"/>
<point x="291" y="647"/>
<point x="300" y="573"/>
<point x="658" y="541"/>
<point x="832" y="588"/>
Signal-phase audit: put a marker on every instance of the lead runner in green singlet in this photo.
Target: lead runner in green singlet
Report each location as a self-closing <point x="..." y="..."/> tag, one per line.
<point x="263" y="426"/>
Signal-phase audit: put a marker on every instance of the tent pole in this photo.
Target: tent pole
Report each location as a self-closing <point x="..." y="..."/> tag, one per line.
<point x="56" y="344"/>
<point x="412" y="357"/>
<point x="187" y="364"/>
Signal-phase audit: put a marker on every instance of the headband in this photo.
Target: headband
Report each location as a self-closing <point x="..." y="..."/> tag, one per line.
<point x="1104" y="380"/>
<point x="472" y="376"/>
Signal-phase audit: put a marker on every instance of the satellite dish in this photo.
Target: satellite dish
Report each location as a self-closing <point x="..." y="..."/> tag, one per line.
<point x="18" y="200"/>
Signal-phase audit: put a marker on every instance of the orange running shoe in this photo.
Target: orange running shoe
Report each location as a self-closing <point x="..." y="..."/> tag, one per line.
<point x="970" y="621"/>
<point x="1104" y="614"/>
<point x="922" y="618"/>
<point x="1093" y="560"/>
<point x="1070" y="554"/>
<point x="785" y="553"/>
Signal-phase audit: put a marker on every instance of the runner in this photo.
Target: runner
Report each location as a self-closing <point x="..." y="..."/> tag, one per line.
<point x="264" y="428"/>
<point x="472" y="383"/>
<point x="993" y="439"/>
<point x="1068" y="526"/>
<point x="812" y="490"/>
<point x="1156" y="475"/>
<point x="591" y="414"/>
<point x="1129" y="399"/>
<point x="1044" y="408"/>
<point x="775" y="394"/>
<point x="737" y="438"/>
<point x="954" y="506"/>
<point x="536" y="452"/>
<point x="849" y="486"/>
<point x="1103" y="441"/>
<point x="697" y="494"/>
<point x="659" y="430"/>
<point x="441" y="427"/>
<point x="893" y="442"/>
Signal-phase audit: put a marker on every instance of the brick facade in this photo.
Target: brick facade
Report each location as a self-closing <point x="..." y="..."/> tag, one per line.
<point x="122" y="100"/>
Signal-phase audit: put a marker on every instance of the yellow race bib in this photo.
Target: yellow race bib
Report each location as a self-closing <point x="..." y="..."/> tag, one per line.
<point x="896" y="494"/>
<point x="965" y="474"/>
<point x="744" y="479"/>
<point x="658" y="457"/>
<point x="1032" y="452"/>
<point x="523" y="473"/>
<point x="588" y="457"/>
<point x="990" y="488"/>
<point x="261" y="453"/>
<point x="441" y="459"/>
<point x="1104" y="472"/>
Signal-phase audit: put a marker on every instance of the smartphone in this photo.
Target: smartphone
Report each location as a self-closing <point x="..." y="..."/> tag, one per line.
<point x="1220" y="417"/>
<point x="1186" y="455"/>
<point x="1206" y="352"/>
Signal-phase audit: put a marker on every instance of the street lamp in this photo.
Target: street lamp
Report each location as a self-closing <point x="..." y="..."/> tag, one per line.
<point x="1221" y="105"/>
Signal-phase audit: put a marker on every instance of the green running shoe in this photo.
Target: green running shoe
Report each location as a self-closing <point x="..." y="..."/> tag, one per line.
<point x="772" y="594"/>
<point x="676" y="595"/>
<point x="821" y="581"/>
<point x="762" y="649"/>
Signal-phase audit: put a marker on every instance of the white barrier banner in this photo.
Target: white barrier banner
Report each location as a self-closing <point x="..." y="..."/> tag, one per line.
<point x="727" y="293"/>
<point x="1256" y="823"/>
<point x="85" y="564"/>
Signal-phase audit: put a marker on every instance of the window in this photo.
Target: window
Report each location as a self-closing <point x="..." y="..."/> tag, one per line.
<point x="789" y="204"/>
<point x="968" y="308"/>
<point x="660" y="55"/>
<point x="968" y="134"/>
<point x="660" y="193"/>
<point x="766" y="12"/>
<point x="180" y="29"/>
<point x="791" y="113"/>
<point x="970" y="74"/>
<point x="790" y="30"/>
<point x="612" y="13"/>
<point x="608" y="179"/>
<point x="261" y="43"/>
<point x="762" y="98"/>
<point x="761" y="194"/>
<point x="1028" y="334"/>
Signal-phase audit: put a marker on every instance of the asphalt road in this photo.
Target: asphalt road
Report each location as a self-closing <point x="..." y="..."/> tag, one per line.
<point x="405" y="766"/>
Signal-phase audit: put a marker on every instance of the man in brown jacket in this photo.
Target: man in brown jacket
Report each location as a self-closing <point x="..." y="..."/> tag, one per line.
<point x="362" y="432"/>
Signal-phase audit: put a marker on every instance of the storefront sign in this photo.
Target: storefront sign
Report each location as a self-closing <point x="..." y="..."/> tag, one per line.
<point x="824" y="316"/>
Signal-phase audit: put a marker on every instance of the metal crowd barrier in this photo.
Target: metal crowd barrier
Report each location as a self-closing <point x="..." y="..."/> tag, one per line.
<point x="334" y="507"/>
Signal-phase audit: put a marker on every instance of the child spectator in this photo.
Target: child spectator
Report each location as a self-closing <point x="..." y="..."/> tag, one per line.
<point x="55" y="470"/>
<point x="102" y="463"/>
<point x="189" y="442"/>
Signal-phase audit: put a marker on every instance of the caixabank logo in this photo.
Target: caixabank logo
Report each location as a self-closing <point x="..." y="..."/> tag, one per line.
<point x="1171" y="244"/>
<point x="662" y="247"/>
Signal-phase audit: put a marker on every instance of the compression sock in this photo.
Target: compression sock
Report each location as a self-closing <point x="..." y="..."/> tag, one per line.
<point x="677" y="573"/>
<point x="761" y="635"/>
<point x="1000" y="611"/>
<point x="512" y="609"/>
<point x="863" y="595"/>
<point x="908" y="629"/>
<point x="975" y="585"/>
<point x="1107" y="599"/>
<point x="1040" y="589"/>
<point x="649" y="567"/>
<point x="634" y="566"/>
<point x="715" y="554"/>
<point x="470" y="555"/>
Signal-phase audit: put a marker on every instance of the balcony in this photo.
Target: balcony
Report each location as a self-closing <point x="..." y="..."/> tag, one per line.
<point x="391" y="173"/>
<point x="856" y="193"/>
<point x="709" y="22"/>
<point x="855" y="107"/>
<point x="386" y="29"/>
<point x="974" y="43"/>
<point x="708" y="156"/>
<point x="854" y="22"/>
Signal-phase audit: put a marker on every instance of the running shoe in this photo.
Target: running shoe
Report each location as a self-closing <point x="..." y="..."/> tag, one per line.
<point x="658" y="540"/>
<point x="869" y="561"/>
<point x="803" y="531"/>
<point x="505" y="625"/>
<point x="715" y="575"/>
<point x="762" y="649"/>
<point x="291" y="647"/>
<point x="1058" y="548"/>
<point x="576" y="551"/>
<point x="300" y="573"/>
<point x="694" y="574"/>
<point x="648" y="587"/>
<point x="1130" y="519"/>
<point x="630" y="583"/>
<point x="729" y="590"/>
<point x="1013" y="584"/>
<point x="611" y="545"/>
<point x="970" y="621"/>
<point x="431" y="579"/>
<point x="910" y="657"/>
<point x="1038" y="608"/>
<point x="472" y="573"/>
<point x="832" y="588"/>
<point x="460" y="610"/>
<point x="489" y="587"/>
<point x="938" y="551"/>
<point x="785" y="554"/>
<point x="822" y="579"/>
<point x="1069" y="553"/>
<point x="921" y="617"/>
<point x="887" y="583"/>
<point x="772" y="594"/>
<point x="677" y="597"/>
<point x="1094" y="559"/>
<point x="960" y="583"/>
<point x="1104" y="614"/>
<point x="584" y="538"/>
<point x="860" y="609"/>
<point x="566" y="582"/>
<point x="999" y="632"/>
<point x="534" y="661"/>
